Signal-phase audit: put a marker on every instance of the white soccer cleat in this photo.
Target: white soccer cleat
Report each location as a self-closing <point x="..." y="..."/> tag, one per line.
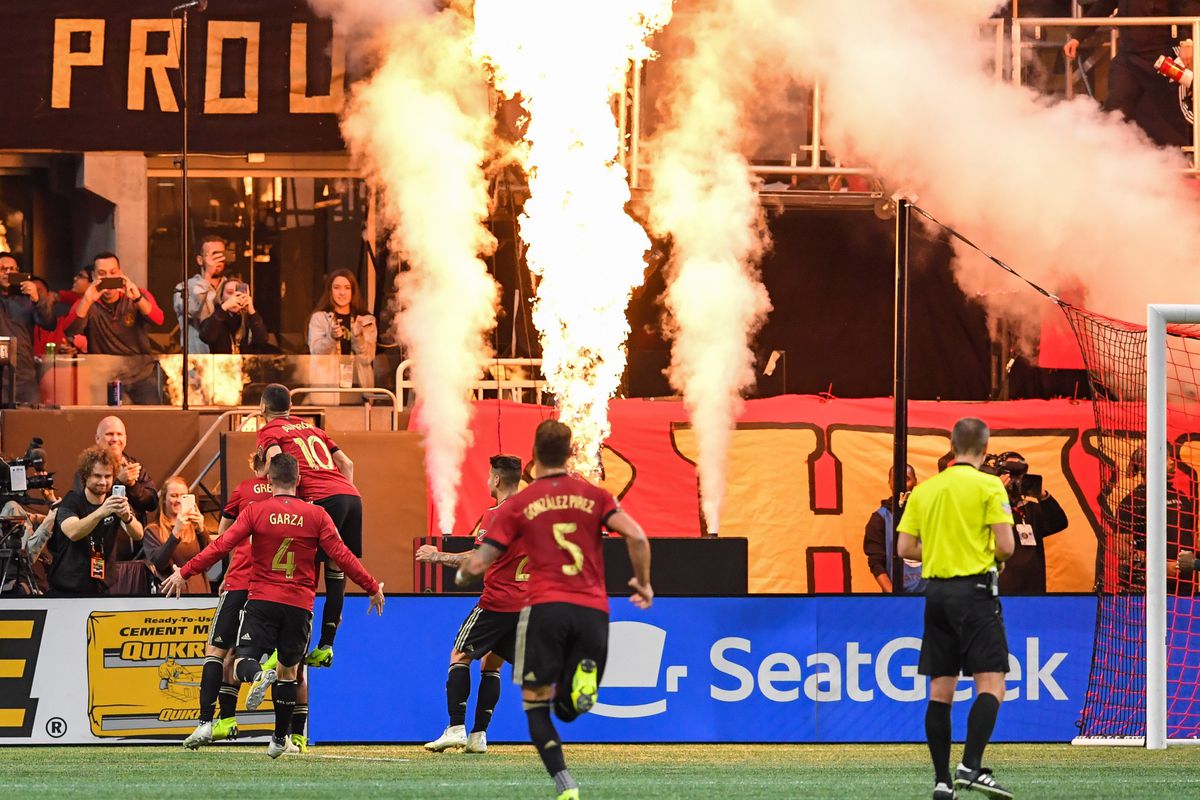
<point x="453" y="736"/>
<point x="202" y="735"/>
<point x="476" y="743"/>
<point x="277" y="747"/>
<point x="290" y="748"/>
<point x="258" y="689"/>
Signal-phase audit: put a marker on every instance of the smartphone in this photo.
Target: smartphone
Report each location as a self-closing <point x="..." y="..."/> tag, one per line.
<point x="15" y="279"/>
<point x="118" y="490"/>
<point x="111" y="283"/>
<point x="187" y="503"/>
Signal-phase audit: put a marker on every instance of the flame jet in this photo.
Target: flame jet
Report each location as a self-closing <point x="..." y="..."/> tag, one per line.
<point x="705" y="198"/>
<point x="566" y="61"/>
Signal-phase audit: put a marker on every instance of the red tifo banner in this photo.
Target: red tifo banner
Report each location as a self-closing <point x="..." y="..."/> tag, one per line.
<point x="807" y="473"/>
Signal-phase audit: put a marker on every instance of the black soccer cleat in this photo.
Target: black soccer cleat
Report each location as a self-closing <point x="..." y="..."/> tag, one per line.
<point x="980" y="780"/>
<point x="943" y="792"/>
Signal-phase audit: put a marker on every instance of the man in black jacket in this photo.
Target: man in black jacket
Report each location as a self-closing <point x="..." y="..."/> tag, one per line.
<point x="21" y="307"/>
<point x="1134" y="87"/>
<point x="1035" y="516"/>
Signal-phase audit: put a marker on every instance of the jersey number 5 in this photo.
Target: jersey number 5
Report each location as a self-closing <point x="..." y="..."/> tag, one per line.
<point x="316" y="452"/>
<point x="561" y="529"/>
<point x="284" y="560"/>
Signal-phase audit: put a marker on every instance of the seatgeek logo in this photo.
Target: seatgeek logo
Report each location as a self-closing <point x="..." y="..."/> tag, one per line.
<point x="740" y="670"/>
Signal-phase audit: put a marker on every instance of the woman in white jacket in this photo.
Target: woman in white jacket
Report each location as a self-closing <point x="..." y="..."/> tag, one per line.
<point x="340" y="325"/>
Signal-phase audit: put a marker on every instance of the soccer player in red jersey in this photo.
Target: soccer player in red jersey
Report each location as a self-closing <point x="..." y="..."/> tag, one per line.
<point x="489" y="632"/>
<point x="326" y="480"/>
<point x="285" y="535"/>
<point x="562" y="636"/>
<point x="217" y="680"/>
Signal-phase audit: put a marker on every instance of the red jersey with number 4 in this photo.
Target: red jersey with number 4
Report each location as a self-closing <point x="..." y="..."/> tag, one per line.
<point x="284" y="534"/>
<point x="560" y="520"/>
<point x="237" y="578"/>
<point x="313" y="450"/>
<point x="506" y="579"/>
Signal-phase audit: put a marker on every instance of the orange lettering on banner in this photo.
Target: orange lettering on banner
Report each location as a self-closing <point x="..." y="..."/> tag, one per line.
<point x="65" y="60"/>
<point x="218" y="32"/>
<point x="157" y="65"/>
<point x="299" y="101"/>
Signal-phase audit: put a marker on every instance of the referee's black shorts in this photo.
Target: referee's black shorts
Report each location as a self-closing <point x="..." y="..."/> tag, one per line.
<point x="964" y="628"/>
<point x="346" y="512"/>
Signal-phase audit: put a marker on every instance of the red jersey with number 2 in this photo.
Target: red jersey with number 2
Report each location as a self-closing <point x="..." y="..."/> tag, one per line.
<point x="237" y="578"/>
<point x="560" y="521"/>
<point x="506" y="579"/>
<point x="313" y="450"/>
<point x="284" y="534"/>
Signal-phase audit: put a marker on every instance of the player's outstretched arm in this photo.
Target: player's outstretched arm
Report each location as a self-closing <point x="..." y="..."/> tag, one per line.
<point x="336" y="549"/>
<point x="476" y="563"/>
<point x="217" y="549"/>
<point x="428" y="554"/>
<point x="639" y="557"/>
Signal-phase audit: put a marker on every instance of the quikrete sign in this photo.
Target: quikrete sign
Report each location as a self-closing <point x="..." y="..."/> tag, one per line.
<point x="264" y="76"/>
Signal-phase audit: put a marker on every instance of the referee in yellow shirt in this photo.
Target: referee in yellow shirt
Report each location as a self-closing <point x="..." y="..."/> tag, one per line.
<point x="959" y="526"/>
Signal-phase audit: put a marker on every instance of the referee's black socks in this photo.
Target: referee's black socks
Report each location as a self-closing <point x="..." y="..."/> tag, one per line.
<point x="980" y="723"/>
<point x="335" y="598"/>
<point x="937" y="734"/>
<point x="545" y="739"/>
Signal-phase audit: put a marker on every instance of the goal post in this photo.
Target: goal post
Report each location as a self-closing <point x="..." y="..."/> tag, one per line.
<point x="1158" y="317"/>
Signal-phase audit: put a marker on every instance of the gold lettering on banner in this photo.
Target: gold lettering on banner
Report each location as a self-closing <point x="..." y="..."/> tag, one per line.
<point x="299" y="102"/>
<point x="218" y="32"/>
<point x="65" y="60"/>
<point x="140" y="62"/>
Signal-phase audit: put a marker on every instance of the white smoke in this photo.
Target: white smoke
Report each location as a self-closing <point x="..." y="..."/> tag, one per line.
<point x="1063" y="192"/>
<point x="420" y="125"/>
<point x="703" y="196"/>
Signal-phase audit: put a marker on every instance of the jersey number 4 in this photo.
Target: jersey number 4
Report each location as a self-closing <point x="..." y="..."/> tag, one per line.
<point x="316" y="452"/>
<point x="284" y="560"/>
<point x="561" y="530"/>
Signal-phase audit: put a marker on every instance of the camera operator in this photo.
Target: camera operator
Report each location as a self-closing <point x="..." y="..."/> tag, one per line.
<point x="1131" y="532"/>
<point x="234" y="325"/>
<point x="1036" y="515"/>
<point x="89" y="525"/>
<point x="22" y="306"/>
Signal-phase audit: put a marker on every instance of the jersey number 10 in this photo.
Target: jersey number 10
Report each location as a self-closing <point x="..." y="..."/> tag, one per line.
<point x="316" y="452"/>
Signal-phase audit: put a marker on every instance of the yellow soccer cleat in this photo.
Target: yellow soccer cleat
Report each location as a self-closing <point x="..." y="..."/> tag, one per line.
<point x="584" y="686"/>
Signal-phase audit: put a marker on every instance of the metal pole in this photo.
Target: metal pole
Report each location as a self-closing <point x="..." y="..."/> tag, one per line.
<point x="900" y="365"/>
<point x="816" y="125"/>
<point x="183" y="212"/>
<point x="1156" y="529"/>
<point x="1195" y="105"/>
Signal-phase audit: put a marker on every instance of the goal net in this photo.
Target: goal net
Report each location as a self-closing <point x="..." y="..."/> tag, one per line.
<point x="1136" y="576"/>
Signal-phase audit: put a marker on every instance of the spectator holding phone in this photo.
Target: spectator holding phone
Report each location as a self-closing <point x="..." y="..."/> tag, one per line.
<point x="234" y="326"/>
<point x="114" y="314"/>
<point x="177" y="535"/>
<point x="22" y="305"/>
<point x="340" y="325"/>
<point x="203" y="293"/>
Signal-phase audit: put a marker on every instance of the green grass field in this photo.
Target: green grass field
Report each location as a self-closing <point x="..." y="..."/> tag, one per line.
<point x="702" y="772"/>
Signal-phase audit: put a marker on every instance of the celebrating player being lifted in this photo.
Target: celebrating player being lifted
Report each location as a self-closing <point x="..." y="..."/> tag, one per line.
<point x="326" y="480"/>
<point x="562" y="636"/>
<point x="489" y="631"/>
<point x="216" y="677"/>
<point x="285" y="534"/>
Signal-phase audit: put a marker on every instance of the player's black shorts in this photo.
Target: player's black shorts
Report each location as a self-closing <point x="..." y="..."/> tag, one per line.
<point x="223" y="632"/>
<point x="964" y="629"/>
<point x="484" y="632"/>
<point x="346" y="511"/>
<point x="552" y="638"/>
<point x="268" y="626"/>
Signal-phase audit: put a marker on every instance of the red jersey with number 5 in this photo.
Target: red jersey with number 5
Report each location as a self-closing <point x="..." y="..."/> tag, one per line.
<point x="313" y="450"/>
<point x="560" y="521"/>
<point x="284" y="534"/>
<point x="237" y="578"/>
<point x="506" y="579"/>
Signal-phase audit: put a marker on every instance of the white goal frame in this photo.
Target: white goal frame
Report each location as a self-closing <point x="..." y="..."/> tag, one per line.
<point x="1157" y="319"/>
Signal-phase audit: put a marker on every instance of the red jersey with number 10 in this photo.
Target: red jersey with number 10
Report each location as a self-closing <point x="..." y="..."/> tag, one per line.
<point x="237" y="578"/>
<point x="284" y="534"/>
<point x="313" y="450"/>
<point x="506" y="579"/>
<point x="560" y="520"/>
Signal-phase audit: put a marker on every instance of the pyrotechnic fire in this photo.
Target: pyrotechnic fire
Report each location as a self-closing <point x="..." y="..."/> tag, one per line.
<point x="216" y="380"/>
<point x="566" y="61"/>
